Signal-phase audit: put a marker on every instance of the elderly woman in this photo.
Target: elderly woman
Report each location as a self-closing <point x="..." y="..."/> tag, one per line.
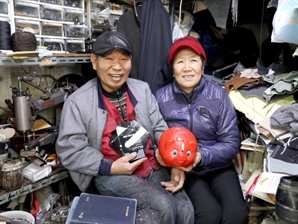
<point x="193" y="102"/>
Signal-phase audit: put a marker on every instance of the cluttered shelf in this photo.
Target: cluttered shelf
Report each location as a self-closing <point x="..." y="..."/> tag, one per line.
<point x="266" y="112"/>
<point x="57" y="174"/>
<point x="31" y="58"/>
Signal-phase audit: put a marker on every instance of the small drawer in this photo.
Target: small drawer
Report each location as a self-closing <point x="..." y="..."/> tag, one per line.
<point x="51" y="29"/>
<point x="53" y="44"/>
<point x="75" y="46"/>
<point x="78" y="31"/>
<point x="3" y="7"/>
<point x="73" y="16"/>
<point x="51" y="12"/>
<point x="26" y="9"/>
<point x="55" y="2"/>
<point x="73" y="3"/>
<point x="27" y="25"/>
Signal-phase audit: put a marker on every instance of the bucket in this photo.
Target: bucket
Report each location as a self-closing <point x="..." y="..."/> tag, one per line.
<point x="286" y="203"/>
<point x="19" y="216"/>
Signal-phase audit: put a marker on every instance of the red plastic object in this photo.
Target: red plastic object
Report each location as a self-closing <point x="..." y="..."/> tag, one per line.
<point x="36" y="206"/>
<point x="177" y="147"/>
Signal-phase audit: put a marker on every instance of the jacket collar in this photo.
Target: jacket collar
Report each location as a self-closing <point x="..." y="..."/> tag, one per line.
<point x="196" y="91"/>
<point x="100" y="90"/>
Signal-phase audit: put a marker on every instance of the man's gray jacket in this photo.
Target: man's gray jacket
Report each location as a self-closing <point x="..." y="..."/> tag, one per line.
<point x="82" y="124"/>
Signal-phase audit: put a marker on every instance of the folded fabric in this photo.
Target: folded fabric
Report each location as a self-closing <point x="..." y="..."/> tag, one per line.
<point x="256" y="109"/>
<point x="285" y="86"/>
<point x="286" y="118"/>
<point x="268" y="131"/>
<point x="236" y="82"/>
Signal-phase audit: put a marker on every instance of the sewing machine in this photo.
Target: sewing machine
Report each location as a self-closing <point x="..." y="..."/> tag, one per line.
<point x="26" y="109"/>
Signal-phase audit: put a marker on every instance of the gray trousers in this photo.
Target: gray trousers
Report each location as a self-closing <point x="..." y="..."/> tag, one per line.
<point x="155" y="205"/>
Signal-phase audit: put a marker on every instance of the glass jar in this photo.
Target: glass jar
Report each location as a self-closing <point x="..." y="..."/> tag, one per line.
<point x="12" y="177"/>
<point x="3" y="157"/>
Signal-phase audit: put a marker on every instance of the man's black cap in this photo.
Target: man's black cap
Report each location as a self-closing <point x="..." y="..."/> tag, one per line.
<point x="111" y="40"/>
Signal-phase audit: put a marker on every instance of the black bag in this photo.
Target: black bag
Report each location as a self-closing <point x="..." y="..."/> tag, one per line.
<point x="23" y="41"/>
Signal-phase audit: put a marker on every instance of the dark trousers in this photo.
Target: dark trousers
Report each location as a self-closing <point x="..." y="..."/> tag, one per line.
<point x="217" y="197"/>
<point x="155" y="204"/>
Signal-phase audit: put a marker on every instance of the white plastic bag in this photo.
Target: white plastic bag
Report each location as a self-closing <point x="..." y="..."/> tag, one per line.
<point x="177" y="32"/>
<point x="285" y="22"/>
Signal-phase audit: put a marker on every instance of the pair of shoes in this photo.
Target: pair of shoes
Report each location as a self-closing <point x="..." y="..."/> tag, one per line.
<point x="286" y="203"/>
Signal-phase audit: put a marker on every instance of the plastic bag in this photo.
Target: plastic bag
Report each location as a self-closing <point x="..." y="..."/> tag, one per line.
<point x="177" y="32"/>
<point x="285" y="22"/>
<point x="45" y="211"/>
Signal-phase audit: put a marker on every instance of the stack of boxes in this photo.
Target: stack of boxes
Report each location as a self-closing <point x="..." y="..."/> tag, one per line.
<point x="57" y="24"/>
<point x="62" y="25"/>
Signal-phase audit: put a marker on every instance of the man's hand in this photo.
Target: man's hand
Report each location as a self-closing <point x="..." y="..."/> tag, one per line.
<point x="194" y="164"/>
<point x="123" y="166"/>
<point x="176" y="182"/>
<point x="158" y="158"/>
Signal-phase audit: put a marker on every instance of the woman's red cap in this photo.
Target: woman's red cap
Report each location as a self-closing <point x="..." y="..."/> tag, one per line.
<point x="186" y="42"/>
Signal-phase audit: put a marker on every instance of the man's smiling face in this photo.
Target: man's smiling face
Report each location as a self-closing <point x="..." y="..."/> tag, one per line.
<point x="113" y="69"/>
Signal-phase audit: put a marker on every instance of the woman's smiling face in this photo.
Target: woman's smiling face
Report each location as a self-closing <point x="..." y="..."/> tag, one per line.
<point x="188" y="69"/>
<point x="113" y="69"/>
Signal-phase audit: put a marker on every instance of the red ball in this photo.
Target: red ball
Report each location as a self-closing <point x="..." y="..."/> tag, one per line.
<point x="177" y="147"/>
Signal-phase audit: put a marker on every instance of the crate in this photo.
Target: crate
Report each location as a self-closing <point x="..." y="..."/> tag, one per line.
<point x="51" y="29"/>
<point x="27" y="9"/>
<point x="73" y="16"/>
<point x="27" y="25"/>
<point x="51" y="12"/>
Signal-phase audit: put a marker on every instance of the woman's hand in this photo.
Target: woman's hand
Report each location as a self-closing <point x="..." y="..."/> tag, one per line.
<point x="176" y="182"/>
<point x="194" y="164"/>
<point x="123" y="166"/>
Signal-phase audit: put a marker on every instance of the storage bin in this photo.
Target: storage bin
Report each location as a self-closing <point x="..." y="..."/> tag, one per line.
<point x="98" y="5"/>
<point x="26" y="9"/>
<point x="3" y="7"/>
<point x="27" y="25"/>
<point x="75" y="46"/>
<point x="51" y="12"/>
<point x="55" y="2"/>
<point x="74" y="16"/>
<point x="51" y="29"/>
<point x="53" y="44"/>
<point x="73" y="3"/>
<point x="78" y="31"/>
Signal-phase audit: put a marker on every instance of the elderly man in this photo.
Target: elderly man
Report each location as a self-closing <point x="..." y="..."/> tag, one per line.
<point x="89" y="119"/>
